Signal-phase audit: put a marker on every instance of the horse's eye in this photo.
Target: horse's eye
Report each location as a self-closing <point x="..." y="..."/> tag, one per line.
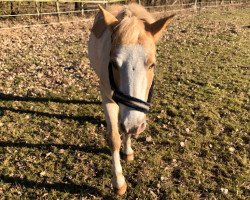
<point x="152" y="66"/>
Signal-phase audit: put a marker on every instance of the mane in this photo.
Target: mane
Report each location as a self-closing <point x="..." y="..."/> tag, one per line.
<point x="136" y="9"/>
<point x="131" y="22"/>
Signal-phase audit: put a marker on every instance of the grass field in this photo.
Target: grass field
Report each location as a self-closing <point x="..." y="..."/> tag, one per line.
<point x="52" y="141"/>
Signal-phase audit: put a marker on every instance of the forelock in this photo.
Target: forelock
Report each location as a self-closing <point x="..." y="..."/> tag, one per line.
<point x="128" y="31"/>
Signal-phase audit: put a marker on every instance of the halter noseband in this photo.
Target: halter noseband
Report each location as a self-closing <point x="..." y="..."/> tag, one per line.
<point x="132" y="102"/>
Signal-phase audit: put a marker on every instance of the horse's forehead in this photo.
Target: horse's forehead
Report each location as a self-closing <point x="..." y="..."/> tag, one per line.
<point x="143" y="49"/>
<point x="133" y="54"/>
<point x="131" y="51"/>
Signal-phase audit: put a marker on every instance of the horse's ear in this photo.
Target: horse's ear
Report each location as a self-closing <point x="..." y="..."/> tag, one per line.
<point x="159" y="26"/>
<point x="109" y="19"/>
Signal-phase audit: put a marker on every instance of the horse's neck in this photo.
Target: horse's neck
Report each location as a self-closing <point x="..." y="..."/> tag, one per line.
<point x="99" y="55"/>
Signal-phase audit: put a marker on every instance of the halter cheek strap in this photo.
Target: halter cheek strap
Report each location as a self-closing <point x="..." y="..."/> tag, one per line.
<point x="132" y="102"/>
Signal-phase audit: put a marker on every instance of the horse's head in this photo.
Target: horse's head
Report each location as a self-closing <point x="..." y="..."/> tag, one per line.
<point x="132" y="59"/>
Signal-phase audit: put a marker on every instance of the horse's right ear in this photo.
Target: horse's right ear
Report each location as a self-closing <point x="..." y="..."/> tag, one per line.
<point x="109" y="19"/>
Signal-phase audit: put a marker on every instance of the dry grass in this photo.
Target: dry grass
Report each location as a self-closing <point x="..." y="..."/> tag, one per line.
<point x="52" y="142"/>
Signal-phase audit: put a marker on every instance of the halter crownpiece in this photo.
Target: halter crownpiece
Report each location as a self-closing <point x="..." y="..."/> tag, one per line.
<point x="132" y="102"/>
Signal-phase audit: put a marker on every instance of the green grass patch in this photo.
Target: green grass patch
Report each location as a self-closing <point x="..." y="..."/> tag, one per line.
<point x="52" y="141"/>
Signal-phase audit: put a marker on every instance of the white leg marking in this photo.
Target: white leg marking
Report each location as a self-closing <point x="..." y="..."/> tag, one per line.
<point x="127" y="150"/>
<point x="118" y="179"/>
<point x="111" y="114"/>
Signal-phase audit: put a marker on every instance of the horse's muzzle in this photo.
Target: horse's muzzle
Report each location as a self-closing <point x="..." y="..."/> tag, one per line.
<point x="134" y="131"/>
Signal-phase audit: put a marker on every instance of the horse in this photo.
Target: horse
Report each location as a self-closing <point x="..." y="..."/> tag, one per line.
<point x="121" y="50"/>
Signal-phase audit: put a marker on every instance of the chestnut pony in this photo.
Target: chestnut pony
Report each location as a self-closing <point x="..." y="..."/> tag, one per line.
<point x="122" y="52"/>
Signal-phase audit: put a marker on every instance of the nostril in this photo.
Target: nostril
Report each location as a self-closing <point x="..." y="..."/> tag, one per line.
<point x="132" y="129"/>
<point x="142" y="127"/>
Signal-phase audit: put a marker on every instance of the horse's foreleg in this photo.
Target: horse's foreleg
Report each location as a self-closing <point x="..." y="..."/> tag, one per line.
<point x="111" y="111"/>
<point x="128" y="152"/>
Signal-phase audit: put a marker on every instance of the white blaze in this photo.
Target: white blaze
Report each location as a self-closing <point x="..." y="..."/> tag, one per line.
<point x="132" y="60"/>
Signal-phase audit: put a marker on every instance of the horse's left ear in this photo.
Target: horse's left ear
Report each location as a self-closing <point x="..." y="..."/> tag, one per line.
<point x="109" y="19"/>
<point x="159" y="26"/>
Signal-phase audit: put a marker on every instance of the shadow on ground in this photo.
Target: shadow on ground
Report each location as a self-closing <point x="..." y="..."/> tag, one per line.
<point x="90" y="119"/>
<point x="10" y="97"/>
<point x="88" y="149"/>
<point x="68" y="187"/>
<point x="63" y="187"/>
<point x="81" y="189"/>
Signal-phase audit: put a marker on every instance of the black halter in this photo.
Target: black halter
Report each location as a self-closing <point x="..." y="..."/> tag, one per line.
<point x="132" y="102"/>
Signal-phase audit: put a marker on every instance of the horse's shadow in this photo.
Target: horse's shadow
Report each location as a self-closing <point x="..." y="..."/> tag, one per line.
<point x="10" y="97"/>
<point x="49" y="146"/>
<point x="82" y="118"/>
<point x="83" y="189"/>
<point x="91" y="119"/>
<point x="62" y="187"/>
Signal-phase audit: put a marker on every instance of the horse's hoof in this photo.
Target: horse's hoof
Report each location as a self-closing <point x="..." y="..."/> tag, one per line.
<point x="122" y="190"/>
<point x="128" y="158"/>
